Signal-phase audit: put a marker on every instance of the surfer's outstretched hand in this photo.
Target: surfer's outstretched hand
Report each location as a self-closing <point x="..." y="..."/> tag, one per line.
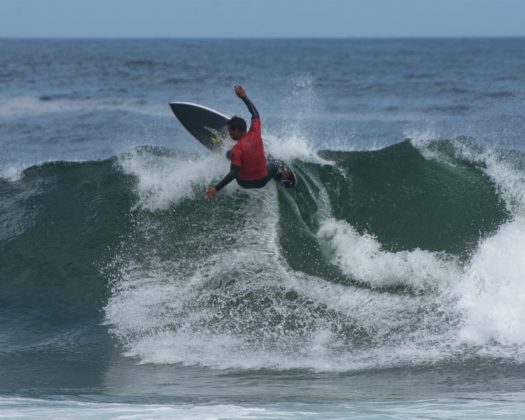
<point x="239" y="91"/>
<point x="210" y="193"/>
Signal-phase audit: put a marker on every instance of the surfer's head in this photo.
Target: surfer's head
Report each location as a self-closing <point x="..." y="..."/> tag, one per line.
<point x="236" y="127"/>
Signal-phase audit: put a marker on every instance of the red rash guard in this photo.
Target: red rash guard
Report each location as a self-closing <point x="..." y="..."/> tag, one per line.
<point x="248" y="154"/>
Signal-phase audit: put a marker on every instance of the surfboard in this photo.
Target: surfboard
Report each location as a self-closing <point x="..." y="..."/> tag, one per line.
<point x="205" y="124"/>
<point x="210" y="128"/>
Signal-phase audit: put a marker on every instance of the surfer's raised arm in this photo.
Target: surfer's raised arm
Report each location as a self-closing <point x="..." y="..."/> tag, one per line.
<point x="241" y="93"/>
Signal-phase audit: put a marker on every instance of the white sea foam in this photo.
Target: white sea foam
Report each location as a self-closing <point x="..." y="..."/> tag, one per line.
<point x="422" y="140"/>
<point x="162" y="313"/>
<point x="33" y="408"/>
<point x="491" y="294"/>
<point x="505" y="406"/>
<point x="291" y="147"/>
<point x="165" y="180"/>
<point x="159" y="323"/>
<point x="361" y="257"/>
<point x="13" y="172"/>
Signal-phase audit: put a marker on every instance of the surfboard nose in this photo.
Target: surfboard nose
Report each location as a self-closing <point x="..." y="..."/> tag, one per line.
<point x="205" y="124"/>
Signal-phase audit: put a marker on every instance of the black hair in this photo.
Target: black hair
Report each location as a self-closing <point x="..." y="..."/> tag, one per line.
<point x="237" y="122"/>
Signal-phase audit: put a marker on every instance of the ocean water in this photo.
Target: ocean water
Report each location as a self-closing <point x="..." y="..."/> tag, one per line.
<point x="389" y="284"/>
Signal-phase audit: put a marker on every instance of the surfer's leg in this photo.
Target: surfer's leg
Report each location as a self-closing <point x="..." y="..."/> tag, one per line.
<point x="277" y="170"/>
<point x="272" y="170"/>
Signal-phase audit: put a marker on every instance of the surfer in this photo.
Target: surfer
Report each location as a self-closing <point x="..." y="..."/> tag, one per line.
<point x="249" y="166"/>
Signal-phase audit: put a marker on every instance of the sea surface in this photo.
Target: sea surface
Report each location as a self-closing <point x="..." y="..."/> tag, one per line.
<point x="390" y="284"/>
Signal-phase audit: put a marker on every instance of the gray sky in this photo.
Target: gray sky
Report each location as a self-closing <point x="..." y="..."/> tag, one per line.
<point x="261" y="18"/>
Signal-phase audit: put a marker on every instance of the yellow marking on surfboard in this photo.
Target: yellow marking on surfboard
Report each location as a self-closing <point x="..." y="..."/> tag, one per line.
<point x="215" y="138"/>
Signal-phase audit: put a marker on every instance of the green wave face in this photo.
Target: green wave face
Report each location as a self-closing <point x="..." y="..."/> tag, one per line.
<point x="407" y="201"/>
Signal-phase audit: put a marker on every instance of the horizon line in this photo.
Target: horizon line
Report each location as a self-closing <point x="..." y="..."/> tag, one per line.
<point x="261" y="38"/>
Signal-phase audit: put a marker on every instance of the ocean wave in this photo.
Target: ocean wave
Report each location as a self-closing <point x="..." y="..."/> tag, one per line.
<point x="378" y="258"/>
